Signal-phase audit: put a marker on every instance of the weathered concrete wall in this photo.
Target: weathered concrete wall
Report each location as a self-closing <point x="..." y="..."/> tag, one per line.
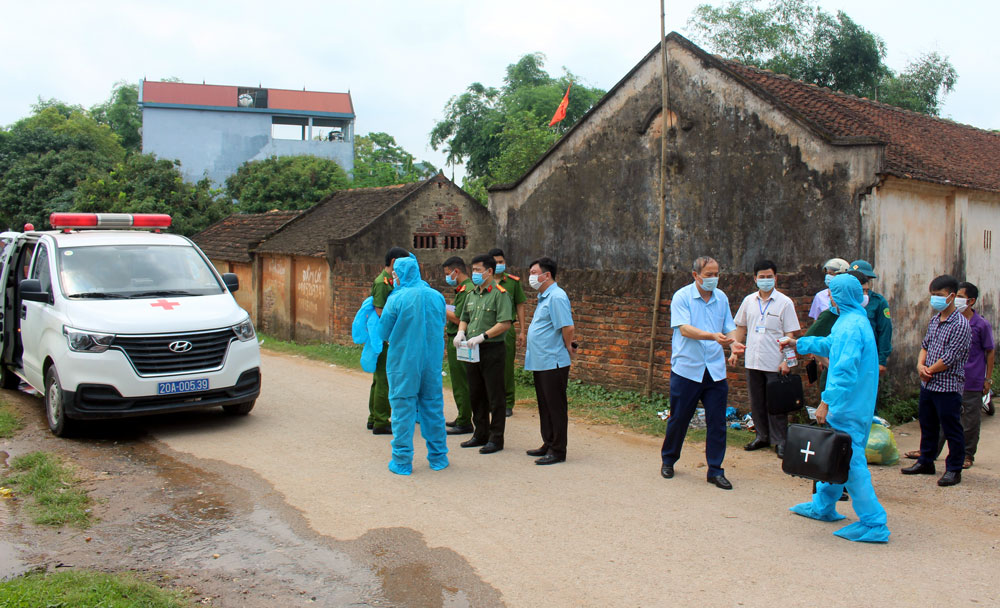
<point x="276" y="301"/>
<point x="918" y="231"/>
<point x="312" y="298"/>
<point x="245" y="296"/>
<point x="747" y="182"/>
<point x="440" y="209"/>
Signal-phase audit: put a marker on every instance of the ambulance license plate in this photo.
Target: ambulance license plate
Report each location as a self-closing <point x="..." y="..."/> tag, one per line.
<point x="182" y="386"/>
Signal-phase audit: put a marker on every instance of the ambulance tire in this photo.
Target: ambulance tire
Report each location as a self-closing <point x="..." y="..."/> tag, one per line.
<point x="10" y="380"/>
<point x="55" y="413"/>
<point x="239" y="409"/>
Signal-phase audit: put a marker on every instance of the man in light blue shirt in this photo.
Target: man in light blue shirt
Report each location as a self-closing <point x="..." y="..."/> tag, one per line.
<point x="703" y="324"/>
<point x="548" y="357"/>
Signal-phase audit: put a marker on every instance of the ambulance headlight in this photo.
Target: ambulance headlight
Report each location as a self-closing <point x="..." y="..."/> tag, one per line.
<point x="87" y="341"/>
<point x="244" y="331"/>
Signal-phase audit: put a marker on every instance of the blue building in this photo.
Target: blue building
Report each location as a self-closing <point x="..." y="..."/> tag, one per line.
<point x="214" y="129"/>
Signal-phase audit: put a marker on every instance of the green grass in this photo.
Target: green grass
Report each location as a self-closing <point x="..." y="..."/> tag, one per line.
<point x="9" y="422"/>
<point x="56" y="501"/>
<point x="81" y="589"/>
<point x="338" y="354"/>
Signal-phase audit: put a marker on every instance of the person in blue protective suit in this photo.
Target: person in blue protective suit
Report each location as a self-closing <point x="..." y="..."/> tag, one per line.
<point x="412" y="322"/>
<point x="848" y="404"/>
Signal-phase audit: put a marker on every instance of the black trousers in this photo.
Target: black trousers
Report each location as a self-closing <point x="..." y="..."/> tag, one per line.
<point x="770" y="427"/>
<point x="550" y="389"/>
<point x="487" y="393"/>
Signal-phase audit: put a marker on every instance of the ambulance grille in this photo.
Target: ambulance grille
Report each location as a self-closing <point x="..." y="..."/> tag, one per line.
<point x="151" y="355"/>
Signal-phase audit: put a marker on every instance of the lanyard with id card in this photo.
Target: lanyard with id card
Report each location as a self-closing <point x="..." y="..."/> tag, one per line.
<point x="761" y="327"/>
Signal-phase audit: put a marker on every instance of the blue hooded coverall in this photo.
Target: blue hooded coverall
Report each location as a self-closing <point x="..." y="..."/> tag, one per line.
<point x="851" y="388"/>
<point x="412" y="322"/>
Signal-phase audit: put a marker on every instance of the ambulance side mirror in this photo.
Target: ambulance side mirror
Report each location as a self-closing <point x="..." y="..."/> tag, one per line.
<point x="31" y="290"/>
<point x="232" y="281"/>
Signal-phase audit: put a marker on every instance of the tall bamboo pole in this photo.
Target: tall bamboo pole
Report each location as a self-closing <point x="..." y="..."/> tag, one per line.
<point x="665" y="114"/>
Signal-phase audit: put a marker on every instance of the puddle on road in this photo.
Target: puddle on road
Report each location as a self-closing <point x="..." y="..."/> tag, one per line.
<point x="224" y="531"/>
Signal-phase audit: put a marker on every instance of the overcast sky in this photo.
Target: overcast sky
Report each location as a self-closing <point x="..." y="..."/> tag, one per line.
<point x="402" y="60"/>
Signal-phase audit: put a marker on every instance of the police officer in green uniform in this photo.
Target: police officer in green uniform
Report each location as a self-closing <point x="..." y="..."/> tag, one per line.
<point x="878" y="313"/>
<point x="455" y="275"/>
<point x="378" y="398"/>
<point x="486" y="316"/>
<point x="514" y="338"/>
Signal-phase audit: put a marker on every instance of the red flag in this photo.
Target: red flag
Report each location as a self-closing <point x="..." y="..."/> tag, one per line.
<point x="561" y="110"/>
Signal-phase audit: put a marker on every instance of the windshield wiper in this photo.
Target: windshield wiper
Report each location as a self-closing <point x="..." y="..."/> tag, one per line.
<point x="98" y="295"/>
<point x="162" y="292"/>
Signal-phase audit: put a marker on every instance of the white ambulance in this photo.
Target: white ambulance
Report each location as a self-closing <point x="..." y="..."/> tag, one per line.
<point x="108" y="317"/>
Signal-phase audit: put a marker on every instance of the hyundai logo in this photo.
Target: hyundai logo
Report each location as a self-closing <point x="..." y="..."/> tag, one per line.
<point x="180" y="346"/>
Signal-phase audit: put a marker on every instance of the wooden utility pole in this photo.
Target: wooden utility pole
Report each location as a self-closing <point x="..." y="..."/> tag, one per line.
<point x="665" y="117"/>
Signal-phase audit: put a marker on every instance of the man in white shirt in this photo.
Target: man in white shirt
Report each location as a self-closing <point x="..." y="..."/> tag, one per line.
<point x="764" y="317"/>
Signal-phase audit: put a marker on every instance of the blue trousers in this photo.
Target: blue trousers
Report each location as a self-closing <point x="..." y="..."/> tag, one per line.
<point x="941" y="412"/>
<point x="684" y="397"/>
<point x="405" y="412"/>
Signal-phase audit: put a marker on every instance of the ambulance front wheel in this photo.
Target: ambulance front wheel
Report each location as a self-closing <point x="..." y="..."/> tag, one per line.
<point x="239" y="409"/>
<point x="55" y="411"/>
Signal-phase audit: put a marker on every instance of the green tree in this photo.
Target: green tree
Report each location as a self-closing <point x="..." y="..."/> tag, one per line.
<point x="797" y="38"/>
<point x="144" y="184"/>
<point x="473" y="124"/>
<point x="45" y="156"/>
<point x="379" y="161"/>
<point x="121" y="112"/>
<point x="284" y="182"/>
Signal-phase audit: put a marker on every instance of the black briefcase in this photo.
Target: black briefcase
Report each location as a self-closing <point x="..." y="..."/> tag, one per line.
<point x="817" y="453"/>
<point x="784" y="394"/>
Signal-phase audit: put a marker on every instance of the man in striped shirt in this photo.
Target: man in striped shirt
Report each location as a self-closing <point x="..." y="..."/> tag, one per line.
<point x="941" y="367"/>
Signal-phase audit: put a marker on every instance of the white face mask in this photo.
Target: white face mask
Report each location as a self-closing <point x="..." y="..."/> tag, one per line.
<point x="961" y="304"/>
<point x="534" y="281"/>
<point x="864" y="301"/>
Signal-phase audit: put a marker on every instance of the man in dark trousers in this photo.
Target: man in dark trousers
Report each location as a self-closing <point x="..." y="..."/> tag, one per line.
<point x="379" y="409"/>
<point x="703" y="325"/>
<point x="486" y="318"/>
<point x="548" y="356"/>
<point x="455" y="276"/>
<point x="515" y="337"/>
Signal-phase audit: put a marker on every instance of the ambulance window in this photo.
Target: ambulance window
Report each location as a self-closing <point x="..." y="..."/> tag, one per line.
<point x="40" y="268"/>
<point x="26" y="253"/>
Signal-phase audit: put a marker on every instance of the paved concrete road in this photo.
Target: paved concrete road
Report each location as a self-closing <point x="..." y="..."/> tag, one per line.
<point x="604" y="529"/>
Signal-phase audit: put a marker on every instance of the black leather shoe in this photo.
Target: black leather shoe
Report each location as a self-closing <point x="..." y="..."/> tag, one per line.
<point x="451" y="423"/>
<point x="919" y="469"/>
<point x="382" y="430"/>
<point x="490" y="448"/>
<point x="950" y="478"/>
<point x="370" y="425"/>
<point x="465" y="429"/>
<point x="473" y="443"/>
<point x="756" y="444"/>
<point x="550" y="459"/>
<point x="542" y="451"/>
<point x="667" y="471"/>
<point x="721" y="482"/>
<point x="510" y="412"/>
<point x="780" y="451"/>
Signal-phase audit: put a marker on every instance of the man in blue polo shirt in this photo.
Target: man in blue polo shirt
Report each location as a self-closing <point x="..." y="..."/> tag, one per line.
<point x="702" y="324"/>
<point x="548" y="357"/>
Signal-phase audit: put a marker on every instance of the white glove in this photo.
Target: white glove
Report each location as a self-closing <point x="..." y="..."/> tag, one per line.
<point x="459" y="338"/>
<point x="477" y="339"/>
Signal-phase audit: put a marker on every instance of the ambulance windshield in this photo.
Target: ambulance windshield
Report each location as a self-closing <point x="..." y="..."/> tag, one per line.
<point x="135" y="271"/>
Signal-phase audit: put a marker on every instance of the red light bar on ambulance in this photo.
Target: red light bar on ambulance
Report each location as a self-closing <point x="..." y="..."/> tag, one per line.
<point x="109" y="220"/>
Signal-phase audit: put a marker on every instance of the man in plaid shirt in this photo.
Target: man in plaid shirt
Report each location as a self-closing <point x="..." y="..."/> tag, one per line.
<point x="946" y="344"/>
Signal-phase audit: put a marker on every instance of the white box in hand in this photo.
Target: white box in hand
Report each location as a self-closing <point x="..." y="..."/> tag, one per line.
<point x="469" y="354"/>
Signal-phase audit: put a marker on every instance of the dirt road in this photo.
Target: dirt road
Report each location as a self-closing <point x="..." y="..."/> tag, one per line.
<point x="602" y="529"/>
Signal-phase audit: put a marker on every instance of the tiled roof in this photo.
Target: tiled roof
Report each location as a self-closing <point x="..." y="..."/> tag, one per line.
<point x="339" y="216"/>
<point x="917" y="146"/>
<point x="232" y="238"/>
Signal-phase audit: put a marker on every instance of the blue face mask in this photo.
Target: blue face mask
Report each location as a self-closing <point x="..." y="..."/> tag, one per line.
<point x="765" y="284"/>
<point x="501" y="268"/>
<point x="827" y="279"/>
<point x="477" y="278"/>
<point x="709" y="283"/>
<point x="939" y="303"/>
<point x="450" y="280"/>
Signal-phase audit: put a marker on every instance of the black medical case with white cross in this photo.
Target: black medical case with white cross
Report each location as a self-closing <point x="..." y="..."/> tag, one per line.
<point x="817" y="453"/>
